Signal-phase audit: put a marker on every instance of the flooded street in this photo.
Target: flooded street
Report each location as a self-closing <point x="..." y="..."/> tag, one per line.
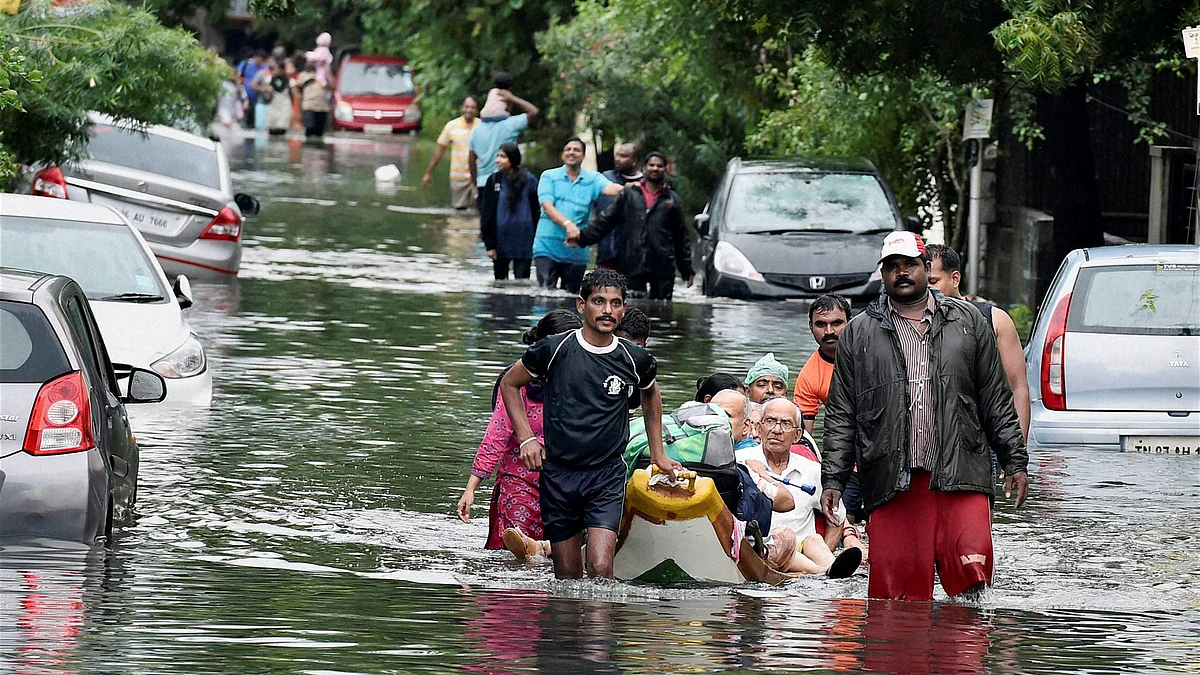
<point x="304" y="523"/>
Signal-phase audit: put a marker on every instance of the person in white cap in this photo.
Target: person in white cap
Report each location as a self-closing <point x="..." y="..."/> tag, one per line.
<point x="918" y="394"/>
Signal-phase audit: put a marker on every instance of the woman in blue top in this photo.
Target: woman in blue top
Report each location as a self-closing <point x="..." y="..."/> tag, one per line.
<point x="508" y="214"/>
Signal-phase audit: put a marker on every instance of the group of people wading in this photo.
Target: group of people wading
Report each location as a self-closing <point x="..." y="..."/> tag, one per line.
<point x="920" y="424"/>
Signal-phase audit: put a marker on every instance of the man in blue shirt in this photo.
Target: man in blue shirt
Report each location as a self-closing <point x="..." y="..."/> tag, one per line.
<point x="487" y="138"/>
<point x="566" y="195"/>
<point x="247" y="70"/>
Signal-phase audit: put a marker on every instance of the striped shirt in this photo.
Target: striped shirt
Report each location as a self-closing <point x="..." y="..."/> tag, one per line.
<point x="456" y="135"/>
<point x="914" y="344"/>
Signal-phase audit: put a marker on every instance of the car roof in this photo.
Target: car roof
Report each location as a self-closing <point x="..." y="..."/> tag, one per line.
<point x="801" y="164"/>
<point x="28" y="206"/>
<point x="156" y="130"/>
<point x="375" y="58"/>
<point x="1140" y="254"/>
<point x="19" y="285"/>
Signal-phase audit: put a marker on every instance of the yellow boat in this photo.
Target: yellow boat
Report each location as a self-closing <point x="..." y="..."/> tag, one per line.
<point x="678" y="533"/>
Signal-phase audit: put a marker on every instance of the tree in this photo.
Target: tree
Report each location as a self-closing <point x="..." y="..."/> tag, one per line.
<point x="99" y="56"/>
<point x="1045" y="52"/>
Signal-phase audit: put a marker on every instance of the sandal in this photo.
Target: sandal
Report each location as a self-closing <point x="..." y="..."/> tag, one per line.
<point x="845" y="564"/>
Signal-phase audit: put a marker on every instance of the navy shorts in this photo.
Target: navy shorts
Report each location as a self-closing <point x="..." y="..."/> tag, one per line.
<point x="575" y="499"/>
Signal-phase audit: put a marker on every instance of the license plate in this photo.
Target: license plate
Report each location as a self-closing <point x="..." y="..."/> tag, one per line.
<point x="1162" y="445"/>
<point x="146" y="219"/>
<point x="377" y="128"/>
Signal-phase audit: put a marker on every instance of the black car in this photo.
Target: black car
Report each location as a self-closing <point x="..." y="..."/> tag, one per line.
<point x="68" y="462"/>
<point x="795" y="228"/>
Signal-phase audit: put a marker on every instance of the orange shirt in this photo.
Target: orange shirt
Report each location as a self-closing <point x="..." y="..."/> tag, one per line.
<point x="812" y="385"/>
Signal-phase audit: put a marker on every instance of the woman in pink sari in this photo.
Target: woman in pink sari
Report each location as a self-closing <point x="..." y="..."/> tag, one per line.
<point x="515" y="513"/>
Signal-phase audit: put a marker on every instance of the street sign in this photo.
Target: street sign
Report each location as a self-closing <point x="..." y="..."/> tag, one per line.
<point x="1191" y="42"/>
<point x="978" y="122"/>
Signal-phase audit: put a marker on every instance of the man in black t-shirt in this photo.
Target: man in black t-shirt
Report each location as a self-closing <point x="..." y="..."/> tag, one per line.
<point x="589" y="374"/>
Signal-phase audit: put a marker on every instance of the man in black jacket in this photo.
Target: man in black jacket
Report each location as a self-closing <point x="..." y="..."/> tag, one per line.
<point x="918" y="394"/>
<point x="652" y="234"/>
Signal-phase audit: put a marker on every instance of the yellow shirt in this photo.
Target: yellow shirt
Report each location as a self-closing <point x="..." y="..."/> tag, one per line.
<point x="457" y="135"/>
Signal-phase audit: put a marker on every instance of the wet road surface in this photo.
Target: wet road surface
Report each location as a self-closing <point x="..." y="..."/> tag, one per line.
<point x="303" y="523"/>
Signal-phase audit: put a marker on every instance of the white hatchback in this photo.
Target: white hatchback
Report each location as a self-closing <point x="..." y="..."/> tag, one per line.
<point x="138" y="312"/>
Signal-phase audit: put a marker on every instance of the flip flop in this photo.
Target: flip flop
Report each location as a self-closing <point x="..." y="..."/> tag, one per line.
<point x="845" y="564"/>
<point x="514" y="541"/>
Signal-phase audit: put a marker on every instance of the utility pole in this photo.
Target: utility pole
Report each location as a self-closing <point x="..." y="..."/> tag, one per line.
<point x="977" y="127"/>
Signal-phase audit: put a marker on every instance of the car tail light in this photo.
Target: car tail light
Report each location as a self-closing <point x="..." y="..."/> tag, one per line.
<point x="1054" y="386"/>
<point x="50" y="182"/>
<point x="62" y="418"/>
<point x="227" y="226"/>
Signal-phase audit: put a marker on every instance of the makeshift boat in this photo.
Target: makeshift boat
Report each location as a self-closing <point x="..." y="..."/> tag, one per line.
<point x="683" y="531"/>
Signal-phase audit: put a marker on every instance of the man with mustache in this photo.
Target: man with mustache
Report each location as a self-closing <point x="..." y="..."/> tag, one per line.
<point x="918" y="394"/>
<point x="827" y="317"/>
<point x="589" y="374"/>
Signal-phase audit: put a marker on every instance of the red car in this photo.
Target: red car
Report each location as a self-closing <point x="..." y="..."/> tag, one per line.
<point x="375" y="94"/>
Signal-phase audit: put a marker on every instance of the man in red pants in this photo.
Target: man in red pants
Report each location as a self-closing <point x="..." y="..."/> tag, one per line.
<point x="918" y="395"/>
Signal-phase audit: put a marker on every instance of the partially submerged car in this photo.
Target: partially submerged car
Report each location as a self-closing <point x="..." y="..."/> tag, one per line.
<point x="173" y="186"/>
<point x="796" y="228"/>
<point x="375" y="94"/>
<point x="68" y="462"/>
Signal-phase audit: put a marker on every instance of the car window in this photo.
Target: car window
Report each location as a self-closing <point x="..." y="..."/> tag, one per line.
<point x="1137" y="300"/>
<point x="31" y="351"/>
<point x="376" y="79"/>
<point x="105" y="260"/>
<point x="97" y="341"/>
<point x="77" y="323"/>
<point x="155" y="154"/>
<point x="808" y="202"/>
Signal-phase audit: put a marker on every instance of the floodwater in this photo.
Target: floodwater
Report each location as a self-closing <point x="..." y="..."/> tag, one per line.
<point x="303" y="523"/>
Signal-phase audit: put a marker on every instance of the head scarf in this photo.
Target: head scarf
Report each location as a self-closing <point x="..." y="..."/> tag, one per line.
<point x="767" y="366"/>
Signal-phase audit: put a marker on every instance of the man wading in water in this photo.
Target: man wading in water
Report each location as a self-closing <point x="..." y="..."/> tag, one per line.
<point x="918" y="393"/>
<point x="589" y="374"/>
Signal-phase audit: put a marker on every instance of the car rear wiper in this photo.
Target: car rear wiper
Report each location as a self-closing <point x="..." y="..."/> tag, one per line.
<point x="134" y="297"/>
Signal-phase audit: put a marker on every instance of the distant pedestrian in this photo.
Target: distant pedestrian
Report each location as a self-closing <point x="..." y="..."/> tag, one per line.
<point x="263" y="93"/>
<point x="648" y="218"/>
<point x="247" y="70"/>
<point x="322" y="59"/>
<point x="279" y="100"/>
<point x="487" y="137"/>
<point x="495" y="107"/>
<point x="566" y="195"/>
<point x="292" y="68"/>
<point x="229" y="102"/>
<point x="918" y="394"/>
<point x="314" y="101"/>
<point x="456" y="136"/>
<point x="626" y="161"/>
<point x="508" y="214"/>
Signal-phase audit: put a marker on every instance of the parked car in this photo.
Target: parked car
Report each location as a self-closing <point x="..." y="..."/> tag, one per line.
<point x="795" y="228"/>
<point x="173" y="186"/>
<point x="375" y="94"/>
<point x="138" y="312"/>
<point x="68" y="462"/>
<point x="1114" y="356"/>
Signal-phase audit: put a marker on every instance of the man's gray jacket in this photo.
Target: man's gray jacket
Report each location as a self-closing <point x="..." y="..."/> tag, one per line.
<point x="867" y="418"/>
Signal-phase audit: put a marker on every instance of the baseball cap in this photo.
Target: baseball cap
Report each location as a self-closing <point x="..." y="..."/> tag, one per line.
<point x="906" y="244"/>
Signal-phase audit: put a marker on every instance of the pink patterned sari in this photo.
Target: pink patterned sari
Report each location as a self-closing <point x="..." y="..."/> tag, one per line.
<point x="515" y="497"/>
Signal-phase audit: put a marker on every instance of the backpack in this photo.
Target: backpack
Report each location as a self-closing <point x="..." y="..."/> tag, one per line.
<point x="698" y="437"/>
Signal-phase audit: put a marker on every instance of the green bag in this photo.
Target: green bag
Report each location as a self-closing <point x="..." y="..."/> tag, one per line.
<point x="696" y="435"/>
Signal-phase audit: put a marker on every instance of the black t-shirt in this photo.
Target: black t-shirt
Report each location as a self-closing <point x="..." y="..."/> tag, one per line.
<point x="587" y="395"/>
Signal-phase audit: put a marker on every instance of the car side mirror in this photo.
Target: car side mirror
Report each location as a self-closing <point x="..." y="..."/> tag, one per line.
<point x="913" y="224"/>
<point x="183" y="292"/>
<point x="701" y="221"/>
<point x="145" y="386"/>
<point x="249" y="205"/>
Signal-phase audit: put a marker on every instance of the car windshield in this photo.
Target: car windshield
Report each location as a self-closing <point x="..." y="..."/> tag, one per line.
<point x="31" y="351"/>
<point x="105" y="260"/>
<point x="376" y="79"/>
<point x="808" y="202"/>
<point x="155" y="154"/>
<point x="1137" y="300"/>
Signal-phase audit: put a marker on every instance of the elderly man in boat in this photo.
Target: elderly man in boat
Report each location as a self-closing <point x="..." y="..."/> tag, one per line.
<point x="777" y="465"/>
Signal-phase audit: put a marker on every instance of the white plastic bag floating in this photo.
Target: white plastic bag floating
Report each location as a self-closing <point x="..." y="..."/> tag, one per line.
<point x="387" y="174"/>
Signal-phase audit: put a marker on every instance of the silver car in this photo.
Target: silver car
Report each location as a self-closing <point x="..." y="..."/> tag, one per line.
<point x="171" y="185"/>
<point x="1114" y="357"/>
<point x="68" y="463"/>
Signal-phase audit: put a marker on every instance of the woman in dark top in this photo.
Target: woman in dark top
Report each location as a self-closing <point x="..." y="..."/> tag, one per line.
<point x="508" y="214"/>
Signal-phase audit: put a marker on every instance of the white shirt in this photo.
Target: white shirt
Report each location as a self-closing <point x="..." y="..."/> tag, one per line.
<point x="799" y="471"/>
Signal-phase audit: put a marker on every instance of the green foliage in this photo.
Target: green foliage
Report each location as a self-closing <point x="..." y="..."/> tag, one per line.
<point x="1022" y="318"/>
<point x="1044" y="46"/>
<point x="102" y="56"/>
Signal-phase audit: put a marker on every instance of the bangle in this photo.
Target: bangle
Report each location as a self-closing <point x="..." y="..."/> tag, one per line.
<point x="526" y="442"/>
